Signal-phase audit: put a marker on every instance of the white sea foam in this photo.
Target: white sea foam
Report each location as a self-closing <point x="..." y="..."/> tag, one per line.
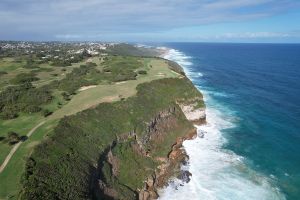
<point x="217" y="174"/>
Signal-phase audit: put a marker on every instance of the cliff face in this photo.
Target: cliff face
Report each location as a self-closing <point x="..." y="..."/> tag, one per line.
<point x="167" y="163"/>
<point x="169" y="166"/>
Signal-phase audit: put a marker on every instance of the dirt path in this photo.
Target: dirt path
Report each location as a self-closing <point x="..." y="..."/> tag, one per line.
<point x="15" y="148"/>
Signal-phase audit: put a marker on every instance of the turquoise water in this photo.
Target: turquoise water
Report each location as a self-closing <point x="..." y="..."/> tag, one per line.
<point x="251" y="148"/>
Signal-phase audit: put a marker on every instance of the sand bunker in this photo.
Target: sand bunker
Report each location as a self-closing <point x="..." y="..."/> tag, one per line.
<point x="86" y="87"/>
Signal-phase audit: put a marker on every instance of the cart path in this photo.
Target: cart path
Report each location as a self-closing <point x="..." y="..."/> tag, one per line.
<point x="16" y="146"/>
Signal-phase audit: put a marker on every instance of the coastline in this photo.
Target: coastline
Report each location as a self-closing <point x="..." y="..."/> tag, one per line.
<point x="172" y="166"/>
<point x="216" y="172"/>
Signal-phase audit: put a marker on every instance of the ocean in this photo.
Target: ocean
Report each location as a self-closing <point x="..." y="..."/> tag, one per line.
<point x="251" y="144"/>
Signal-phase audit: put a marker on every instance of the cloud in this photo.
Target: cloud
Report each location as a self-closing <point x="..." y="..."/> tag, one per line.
<point x="74" y="19"/>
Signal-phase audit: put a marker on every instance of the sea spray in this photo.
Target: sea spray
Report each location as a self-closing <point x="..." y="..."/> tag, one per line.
<point x="217" y="173"/>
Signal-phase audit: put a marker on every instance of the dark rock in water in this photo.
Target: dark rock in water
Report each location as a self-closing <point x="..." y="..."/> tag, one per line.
<point x="185" y="176"/>
<point x="185" y="162"/>
<point x="201" y="134"/>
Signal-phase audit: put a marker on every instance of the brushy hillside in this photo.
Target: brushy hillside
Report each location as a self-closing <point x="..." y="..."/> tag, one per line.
<point x="130" y="50"/>
<point x="108" y="151"/>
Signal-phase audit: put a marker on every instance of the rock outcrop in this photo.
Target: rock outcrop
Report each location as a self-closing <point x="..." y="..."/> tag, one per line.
<point x="170" y="166"/>
<point x="193" y="114"/>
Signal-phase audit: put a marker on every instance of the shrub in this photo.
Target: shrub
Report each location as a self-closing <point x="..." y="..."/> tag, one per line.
<point x="66" y="96"/>
<point x="2" y="73"/>
<point x="91" y="64"/>
<point x="30" y="64"/>
<point x="8" y="112"/>
<point x="12" y="138"/>
<point x="47" y="112"/>
<point x="22" y="98"/>
<point x="106" y="70"/>
<point x="23" y="78"/>
<point x="142" y="72"/>
<point x="2" y="138"/>
<point x="32" y="109"/>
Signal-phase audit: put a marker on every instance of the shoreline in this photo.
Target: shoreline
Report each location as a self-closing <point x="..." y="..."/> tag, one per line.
<point x="172" y="166"/>
<point x="215" y="171"/>
<point x="178" y="157"/>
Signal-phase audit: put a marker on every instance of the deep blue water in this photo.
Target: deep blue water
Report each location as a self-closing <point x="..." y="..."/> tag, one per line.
<point x="260" y="83"/>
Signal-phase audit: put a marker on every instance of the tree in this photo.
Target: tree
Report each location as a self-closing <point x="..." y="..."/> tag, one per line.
<point x="47" y="112"/>
<point x="12" y="138"/>
<point x="142" y="72"/>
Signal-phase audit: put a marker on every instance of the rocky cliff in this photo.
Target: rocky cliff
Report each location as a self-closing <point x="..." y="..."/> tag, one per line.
<point x="169" y="166"/>
<point x="156" y="132"/>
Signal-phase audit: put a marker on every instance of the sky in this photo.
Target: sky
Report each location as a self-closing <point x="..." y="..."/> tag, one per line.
<point x="151" y="20"/>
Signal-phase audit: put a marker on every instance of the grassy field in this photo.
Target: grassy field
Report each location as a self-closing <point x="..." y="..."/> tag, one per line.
<point x="10" y="177"/>
<point x="103" y="92"/>
<point x="115" y="91"/>
<point x="45" y="72"/>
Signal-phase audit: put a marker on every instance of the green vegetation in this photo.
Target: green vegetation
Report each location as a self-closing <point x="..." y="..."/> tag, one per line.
<point x="108" y="92"/>
<point x="67" y="161"/>
<point x="2" y="73"/>
<point x="129" y="50"/>
<point x="65" y="88"/>
<point x="11" y="176"/>
<point x="132" y="165"/>
<point x="24" y="78"/>
<point x="131" y="170"/>
<point x="22" y="98"/>
<point x="30" y="64"/>
<point x="13" y="138"/>
<point x="175" y="67"/>
<point x="142" y="72"/>
<point x="115" y="69"/>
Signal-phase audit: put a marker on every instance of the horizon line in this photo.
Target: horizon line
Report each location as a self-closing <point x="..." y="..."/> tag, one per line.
<point x="146" y="42"/>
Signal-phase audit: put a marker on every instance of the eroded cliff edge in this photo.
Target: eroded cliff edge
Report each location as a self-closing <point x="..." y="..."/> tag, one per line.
<point x="121" y="150"/>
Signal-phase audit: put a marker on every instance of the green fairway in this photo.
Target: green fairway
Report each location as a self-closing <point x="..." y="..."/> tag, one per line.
<point x="10" y="177"/>
<point x="114" y="92"/>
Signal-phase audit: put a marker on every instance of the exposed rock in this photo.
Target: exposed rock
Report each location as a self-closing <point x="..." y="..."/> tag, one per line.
<point x="148" y="195"/>
<point x="150" y="182"/>
<point x="114" y="162"/>
<point x="201" y="134"/>
<point x="109" y="192"/>
<point x="185" y="176"/>
<point x="165" y="170"/>
<point x="144" y="195"/>
<point x="156" y="127"/>
<point x="156" y="131"/>
<point x="195" y="115"/>
<point x="149" y="192"/>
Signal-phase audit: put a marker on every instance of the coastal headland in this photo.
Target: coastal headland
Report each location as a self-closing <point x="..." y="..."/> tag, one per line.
<point x="114" y="128"/>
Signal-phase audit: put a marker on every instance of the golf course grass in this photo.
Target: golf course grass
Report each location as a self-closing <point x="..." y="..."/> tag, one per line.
<point x="105" y="91"/>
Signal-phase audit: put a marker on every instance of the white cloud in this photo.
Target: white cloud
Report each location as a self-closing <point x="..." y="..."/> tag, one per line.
<point x="92" y="18"/>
